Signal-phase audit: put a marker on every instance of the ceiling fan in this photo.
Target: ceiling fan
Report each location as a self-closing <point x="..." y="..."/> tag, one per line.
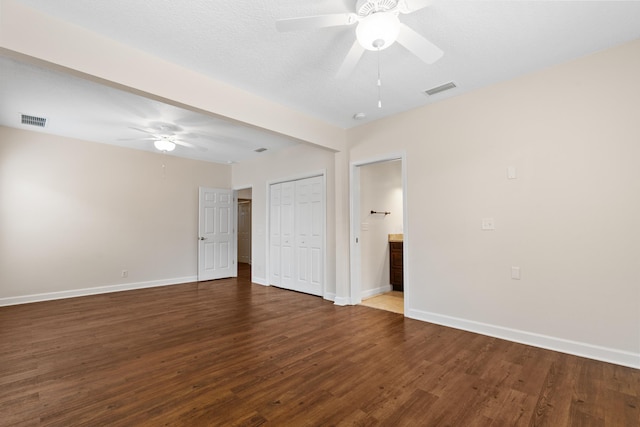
<point x="378" y="27"/>
<point x="166" y="136"/>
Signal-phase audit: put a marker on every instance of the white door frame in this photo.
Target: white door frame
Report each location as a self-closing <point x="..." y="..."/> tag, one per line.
<point x="267" y="268"/>
<point x="354" y="221"/>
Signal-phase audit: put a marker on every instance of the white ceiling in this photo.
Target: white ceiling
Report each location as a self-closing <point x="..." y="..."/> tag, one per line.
<point x="235" y="41"/>
<point x="86" y="110"/>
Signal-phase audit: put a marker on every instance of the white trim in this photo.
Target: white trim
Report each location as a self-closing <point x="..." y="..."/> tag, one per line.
<point x="330" y="296"/>
<point x="244" y="187"/>
<point x="377" y="291"/>
<point x="234" y="239"/>
<point x="49" y="296"/>
<point x="605" y="354"/>
<point x="260" y="281"/>
<point x="297" y="177"/>
<point x="342" y="301"/>
<point x="355" y="258"/>
<point x="267" y="230"/>
<point x="324" y="237"/>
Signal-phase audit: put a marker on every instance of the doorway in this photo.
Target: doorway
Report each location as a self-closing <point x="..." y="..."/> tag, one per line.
<point x="244" y="216"/>
<point x="378" y="234"/>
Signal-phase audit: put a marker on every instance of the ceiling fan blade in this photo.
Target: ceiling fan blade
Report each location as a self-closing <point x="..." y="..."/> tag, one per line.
<point x="350" y="61"/>
<point x="418" y="45"/>
<point x="188" y="145"/>
<point x="314" y="22"/>
<point x="409" y="6"/>
<point x="145" y="138"/>
<point x="143" y="130"/>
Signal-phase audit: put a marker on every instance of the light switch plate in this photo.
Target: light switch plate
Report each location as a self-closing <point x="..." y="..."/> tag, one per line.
<point x="488" y="224"/>
<point x="515" y="273"/>
<point x="511" y="172"/>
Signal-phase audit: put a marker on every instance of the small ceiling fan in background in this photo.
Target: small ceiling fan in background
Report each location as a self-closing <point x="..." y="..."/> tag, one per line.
<point x="378" y="27"/>
<point x="166" y="136"/>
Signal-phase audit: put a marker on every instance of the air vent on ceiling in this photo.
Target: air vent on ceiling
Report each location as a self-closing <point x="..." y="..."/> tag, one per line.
<point x="260" y="150"/>
<point x="440" y="88"/>
<point x="34" y="121"/>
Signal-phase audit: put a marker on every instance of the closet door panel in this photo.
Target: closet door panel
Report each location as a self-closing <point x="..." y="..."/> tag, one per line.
<point x="274" y="234"/>
<point x="309" y="234"/>
<point x="287" y="235"/>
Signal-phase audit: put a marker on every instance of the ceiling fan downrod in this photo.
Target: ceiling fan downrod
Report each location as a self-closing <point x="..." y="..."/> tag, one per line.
<point x="379" y="82"/>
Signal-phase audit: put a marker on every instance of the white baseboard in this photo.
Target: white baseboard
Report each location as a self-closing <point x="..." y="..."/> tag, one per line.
<point x="330" y="296"/>
<point x="377" y="291"/>
<point x="259" y="281"/>
<point x="342" y="301"/>
<point x="73" y="293"/>
<point x="590" y="351"/>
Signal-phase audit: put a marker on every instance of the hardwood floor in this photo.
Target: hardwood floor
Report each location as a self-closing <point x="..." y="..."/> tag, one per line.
<point x="231" y="353"/>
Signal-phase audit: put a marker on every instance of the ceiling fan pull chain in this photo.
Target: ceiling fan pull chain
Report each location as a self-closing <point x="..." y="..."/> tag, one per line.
<point x="379" y="82"/>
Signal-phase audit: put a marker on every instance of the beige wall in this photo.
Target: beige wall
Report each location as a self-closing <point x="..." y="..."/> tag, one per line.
<point x="293" y="163"/>
<point x="570" y="220"/>
<point x="74" y="214"/>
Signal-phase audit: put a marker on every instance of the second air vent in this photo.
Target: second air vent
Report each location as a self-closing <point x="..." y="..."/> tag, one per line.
<point x="33" y="121"/>
<point x="440" y="88"/>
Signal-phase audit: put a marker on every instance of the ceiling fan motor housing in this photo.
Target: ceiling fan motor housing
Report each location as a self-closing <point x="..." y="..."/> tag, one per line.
<point x="367" y="7"/>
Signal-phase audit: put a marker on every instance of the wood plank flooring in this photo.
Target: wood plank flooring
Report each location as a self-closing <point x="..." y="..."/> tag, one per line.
<point x="226" y="353"/>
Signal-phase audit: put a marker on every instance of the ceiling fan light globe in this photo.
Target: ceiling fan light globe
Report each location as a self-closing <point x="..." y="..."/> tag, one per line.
<point x="378" y="31"/>
<point x="164" y="145"/>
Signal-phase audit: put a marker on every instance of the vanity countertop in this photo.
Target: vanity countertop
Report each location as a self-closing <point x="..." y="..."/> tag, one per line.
<point x="395" y="237"/>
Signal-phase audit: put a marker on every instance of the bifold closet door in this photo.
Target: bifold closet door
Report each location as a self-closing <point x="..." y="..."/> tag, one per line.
<point x="297" y="235"/>
<point x="286" y="236"/>
<point x="275" y="196"/>
<point x="281" y="250"/>
<point x="309" y="235"/>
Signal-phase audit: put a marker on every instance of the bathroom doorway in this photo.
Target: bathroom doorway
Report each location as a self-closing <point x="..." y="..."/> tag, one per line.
<point x="378" y="218"/>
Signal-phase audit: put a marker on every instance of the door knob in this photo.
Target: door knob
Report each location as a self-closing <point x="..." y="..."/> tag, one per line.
<point x="202" y="238"/>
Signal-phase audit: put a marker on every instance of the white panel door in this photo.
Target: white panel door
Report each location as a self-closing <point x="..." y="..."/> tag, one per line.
<point x="309" y="226"/>
<point x="217" y="234"/>
<point x="286" y="235"/>
<point x="275" y="195"/>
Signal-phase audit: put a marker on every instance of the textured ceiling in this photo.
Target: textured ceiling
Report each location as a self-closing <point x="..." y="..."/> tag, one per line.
<point x="235" y="41"/>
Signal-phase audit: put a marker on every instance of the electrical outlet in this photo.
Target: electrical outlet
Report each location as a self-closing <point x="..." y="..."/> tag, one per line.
<point x="124" y="273"/>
